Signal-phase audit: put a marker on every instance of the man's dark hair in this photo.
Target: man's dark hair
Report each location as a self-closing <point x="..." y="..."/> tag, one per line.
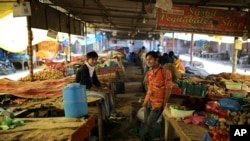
<point x="171" y="53"/>
<point x="92" y="54"/>
<point x="153" y="54"/>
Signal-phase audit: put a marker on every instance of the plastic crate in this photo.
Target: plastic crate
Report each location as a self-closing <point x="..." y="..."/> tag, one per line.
<point x="194" y="90"/>
<point x="176" y="90"/>
<point x="233" y="85"/>
<point x="217" y="96"/>
<point x="105" y="70"/>
<point x="200" y="90"/>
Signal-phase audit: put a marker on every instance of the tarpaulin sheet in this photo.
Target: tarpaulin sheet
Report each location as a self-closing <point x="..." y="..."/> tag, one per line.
<point x="37" y="89"/>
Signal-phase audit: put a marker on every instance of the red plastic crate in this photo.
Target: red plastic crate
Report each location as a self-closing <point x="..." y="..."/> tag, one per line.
<point x="176" y="90"/>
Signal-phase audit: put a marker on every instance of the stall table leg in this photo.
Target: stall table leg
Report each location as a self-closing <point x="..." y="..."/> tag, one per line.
<point x="100" y="120"/>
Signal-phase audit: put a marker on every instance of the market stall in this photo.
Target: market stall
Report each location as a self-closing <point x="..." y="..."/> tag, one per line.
<point x="110" y="70"/>
<point x="223" y="101"/>
<point x="25" y="98"/>
<point x="187" y="132"/>
<point x="56" y="128"/>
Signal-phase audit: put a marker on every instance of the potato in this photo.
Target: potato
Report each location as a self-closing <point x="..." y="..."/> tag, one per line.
<point x="248" y="121"/>
<point x="242" y="119"/>
<point x="222" y="120"/>
<point x="233" y="114"/>
<point x="211" y="127"/>
<point x="243" y="115"/>
<point x="248" y="115"/>
<point x="229" y="122"/>
<point x="240" y="122"/>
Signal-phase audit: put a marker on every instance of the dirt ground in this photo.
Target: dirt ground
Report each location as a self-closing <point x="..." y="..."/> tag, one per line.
<point x="124" y="130"/>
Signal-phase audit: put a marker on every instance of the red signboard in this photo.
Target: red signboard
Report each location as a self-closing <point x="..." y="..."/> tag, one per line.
<point x="204" y="20"/>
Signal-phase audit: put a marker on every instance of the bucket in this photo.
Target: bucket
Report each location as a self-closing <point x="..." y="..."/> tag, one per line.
<point x="75" y="100"/>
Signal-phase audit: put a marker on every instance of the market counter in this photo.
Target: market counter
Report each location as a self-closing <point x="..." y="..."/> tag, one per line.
<point x="186" y="132"/>
<point x="91" y="100"/>
<point x="56" y="129"/>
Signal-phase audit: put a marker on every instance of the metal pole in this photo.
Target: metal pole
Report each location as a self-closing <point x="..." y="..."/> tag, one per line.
<point x="173" y="41"/>
<point x="68" y="57"/>
<point x="235" y="52"/>
<point x="86" y="39"/>
<point x="191" y="47"/>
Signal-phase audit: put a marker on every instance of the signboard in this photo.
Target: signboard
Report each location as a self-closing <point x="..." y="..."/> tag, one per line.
<point x="238" y="44"/>
<point x="203" y="20"/>
<point x="47" y="49"/>
<point x="21" y="9"/>
<point x="52" y="33"/>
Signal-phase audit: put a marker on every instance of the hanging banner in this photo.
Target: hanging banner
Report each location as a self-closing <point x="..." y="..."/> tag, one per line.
<point x="47" y="49"/>
<point x="203" y="20"/>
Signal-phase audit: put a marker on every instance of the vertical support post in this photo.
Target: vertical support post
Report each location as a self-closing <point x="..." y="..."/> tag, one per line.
<point x="235" y="53"/>
<point x="30" y="49"/>
<point x="86" y="28"/>
<point x="191" y="48"/>
<point x="173" y="41"/>
<point x="68" y="56"/>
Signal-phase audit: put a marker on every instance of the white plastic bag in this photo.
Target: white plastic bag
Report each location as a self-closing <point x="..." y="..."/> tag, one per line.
<point x="140" y="115"/>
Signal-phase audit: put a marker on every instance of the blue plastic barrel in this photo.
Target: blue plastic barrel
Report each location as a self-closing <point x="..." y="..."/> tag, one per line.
<point x="75" y="100"/>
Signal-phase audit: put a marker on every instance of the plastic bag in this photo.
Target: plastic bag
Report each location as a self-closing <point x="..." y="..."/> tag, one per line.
<point x="229" y="104"/>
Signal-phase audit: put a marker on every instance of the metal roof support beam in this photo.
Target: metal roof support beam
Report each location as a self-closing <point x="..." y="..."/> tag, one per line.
<point x="99" y="4"/>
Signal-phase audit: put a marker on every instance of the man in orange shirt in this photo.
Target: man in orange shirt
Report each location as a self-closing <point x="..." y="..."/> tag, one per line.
<point x="159" y="83"/>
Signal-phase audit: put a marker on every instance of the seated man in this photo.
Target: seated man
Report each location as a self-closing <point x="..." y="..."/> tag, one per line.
<point x="86" y="75"/>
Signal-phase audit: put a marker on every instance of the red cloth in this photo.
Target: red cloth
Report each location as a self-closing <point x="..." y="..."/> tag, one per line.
<point x="37" y="89"/>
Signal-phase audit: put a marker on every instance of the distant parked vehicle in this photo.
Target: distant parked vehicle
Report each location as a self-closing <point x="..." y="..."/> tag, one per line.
<point x="6" y="66"/>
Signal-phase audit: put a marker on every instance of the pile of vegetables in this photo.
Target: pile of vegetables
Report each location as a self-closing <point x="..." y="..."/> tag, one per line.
<point x="234" y="118"/>
<point x="9" y="123"/>
<point x="45" y="75"/>
<point x="219" y="135"/>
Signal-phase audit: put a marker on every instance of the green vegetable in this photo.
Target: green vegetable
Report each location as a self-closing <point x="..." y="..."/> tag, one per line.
<point x="17" y="122"/>
<point x="4" y="127"/>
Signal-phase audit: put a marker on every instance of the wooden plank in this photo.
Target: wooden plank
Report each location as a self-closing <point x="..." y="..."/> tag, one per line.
<point x="91" y="99"/>
<point x="187" y="132"/>
<point x="56" y="128"/>
<point x="83" y="131"/>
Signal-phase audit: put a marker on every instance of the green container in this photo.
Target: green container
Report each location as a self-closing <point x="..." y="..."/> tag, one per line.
<point x="193" y="90"/>
<point x="200" y="90"/>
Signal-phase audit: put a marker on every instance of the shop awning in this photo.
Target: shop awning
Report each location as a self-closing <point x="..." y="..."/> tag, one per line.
<point x="13" y="37"/>
<point x="5" y="9"/>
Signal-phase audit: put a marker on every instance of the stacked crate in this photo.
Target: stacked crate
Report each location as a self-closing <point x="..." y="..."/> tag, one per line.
<point x="190" y="89"/>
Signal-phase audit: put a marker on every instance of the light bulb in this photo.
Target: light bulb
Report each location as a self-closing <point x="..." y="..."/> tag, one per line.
<point x="144" y="20"/>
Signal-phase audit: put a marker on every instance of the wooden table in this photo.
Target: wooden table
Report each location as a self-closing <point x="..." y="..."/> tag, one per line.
<point x="56" y="129"/>
<point x="97" y="100"/>
<point x="90" y="100"/>
<point x="186" y="132"/>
